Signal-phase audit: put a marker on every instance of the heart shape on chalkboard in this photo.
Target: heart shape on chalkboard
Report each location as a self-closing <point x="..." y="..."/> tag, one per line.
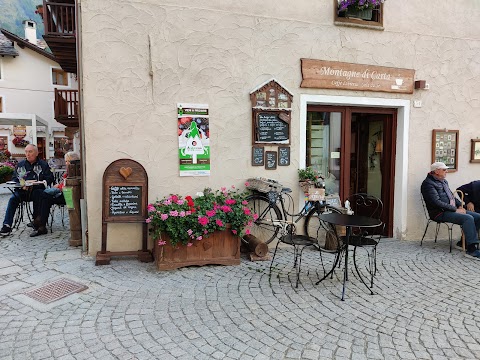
<point x="125" y="172"/>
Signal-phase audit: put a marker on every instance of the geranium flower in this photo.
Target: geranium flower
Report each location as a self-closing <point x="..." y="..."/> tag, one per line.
<point x="150" y="208"/>
<point x="211" y="213"/>
<point x="203" y="220"/>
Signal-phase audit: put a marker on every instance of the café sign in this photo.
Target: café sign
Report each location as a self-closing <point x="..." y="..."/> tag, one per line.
<point x="346" y="76"/>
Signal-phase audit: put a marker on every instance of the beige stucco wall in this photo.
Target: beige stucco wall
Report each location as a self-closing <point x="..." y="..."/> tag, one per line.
<point x="216" y="53"/>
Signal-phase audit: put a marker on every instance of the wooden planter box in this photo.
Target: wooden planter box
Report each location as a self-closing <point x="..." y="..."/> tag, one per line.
<point x="221" y="247"/>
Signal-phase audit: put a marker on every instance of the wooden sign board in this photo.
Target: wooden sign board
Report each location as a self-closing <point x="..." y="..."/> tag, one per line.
<point x="283" y="156"/>
<point x="270" y="160"/>
<point x="322" y="74"/>
<point x="258" y="156"/>
<point x="125" y="197"/>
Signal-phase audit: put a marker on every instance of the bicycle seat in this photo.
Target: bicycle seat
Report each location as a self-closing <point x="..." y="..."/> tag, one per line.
<point x="286" y="190"/>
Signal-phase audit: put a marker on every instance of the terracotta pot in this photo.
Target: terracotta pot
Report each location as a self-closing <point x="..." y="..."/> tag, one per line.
<point x="221" y="247"/>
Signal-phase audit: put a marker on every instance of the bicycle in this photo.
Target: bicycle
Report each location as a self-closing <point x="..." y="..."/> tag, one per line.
<point x="272" y="221"/>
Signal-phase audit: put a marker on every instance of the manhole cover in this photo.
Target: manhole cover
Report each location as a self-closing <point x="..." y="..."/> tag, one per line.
<point x="55" y="291"/>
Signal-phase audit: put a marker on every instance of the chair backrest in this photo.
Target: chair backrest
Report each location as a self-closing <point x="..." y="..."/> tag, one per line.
<point x="366" y="205"/>
<point x="425" y="211"/>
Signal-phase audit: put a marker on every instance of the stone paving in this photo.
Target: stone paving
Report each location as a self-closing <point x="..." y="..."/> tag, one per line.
<point x="424" y="306"/>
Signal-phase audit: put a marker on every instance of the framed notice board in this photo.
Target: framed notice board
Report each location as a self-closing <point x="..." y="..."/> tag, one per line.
<point x="258" y="156"/>
<point x="270" y="160"/>
<point x="283" y="155"/>
<point x="445" y="147"/>
<point x="271" y="127"/>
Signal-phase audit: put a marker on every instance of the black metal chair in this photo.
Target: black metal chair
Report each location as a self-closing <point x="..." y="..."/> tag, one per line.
<point x="366" y="239"/>
<point x="449" y="225"/>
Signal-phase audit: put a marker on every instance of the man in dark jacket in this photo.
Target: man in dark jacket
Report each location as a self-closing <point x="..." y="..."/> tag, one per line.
<point x="471" y="193"/>
<point x="27" y="193"/>
<point x="444" y="207"/>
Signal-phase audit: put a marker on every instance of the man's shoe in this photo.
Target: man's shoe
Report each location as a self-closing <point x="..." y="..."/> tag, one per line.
<point x="474" y="254"/>
<point x="31" y="225"/>
<point x="6" y="230"/>
<point x="40" y="231"/>
<point x="458" y="245"/>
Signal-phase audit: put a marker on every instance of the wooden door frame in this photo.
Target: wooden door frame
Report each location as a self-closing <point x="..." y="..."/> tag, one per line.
<point x="390" y="134"/>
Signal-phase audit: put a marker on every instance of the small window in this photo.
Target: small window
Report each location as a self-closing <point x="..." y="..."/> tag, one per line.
<point x="369" y="18"/>
<point x="59" y="77"/>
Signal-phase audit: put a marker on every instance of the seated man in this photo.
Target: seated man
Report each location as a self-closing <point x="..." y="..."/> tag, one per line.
<point x="471" y="193"/>
<point x="444" y="207"/>
<point x="51" y="196"/>
<point x="27" y="193"/>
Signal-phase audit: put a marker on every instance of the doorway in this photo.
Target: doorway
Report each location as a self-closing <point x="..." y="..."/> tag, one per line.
<point x="355" y="149"/>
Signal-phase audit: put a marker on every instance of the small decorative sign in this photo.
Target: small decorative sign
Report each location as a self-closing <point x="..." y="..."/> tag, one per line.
<point x="475" y="151"/>
<point x="270" y="160"/>
<point x="283" y="155"/>
<point x="68" y="195"/>
<point x="322" y="74"/>
<point x="258" y="156"/>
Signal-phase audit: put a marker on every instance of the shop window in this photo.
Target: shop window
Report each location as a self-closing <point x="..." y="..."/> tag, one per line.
<point x="372" y="18"/>
<point x="59" y="77"/>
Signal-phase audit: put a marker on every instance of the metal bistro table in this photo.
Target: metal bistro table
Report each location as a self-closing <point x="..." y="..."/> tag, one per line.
<point x="23" y="205"/>
<point x="348" y="221"/>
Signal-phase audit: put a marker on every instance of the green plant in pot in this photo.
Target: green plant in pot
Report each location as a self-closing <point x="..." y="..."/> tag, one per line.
<point x="358" y="8"/>
<point x="6" y="171"/>
<point x="309" y="177"/>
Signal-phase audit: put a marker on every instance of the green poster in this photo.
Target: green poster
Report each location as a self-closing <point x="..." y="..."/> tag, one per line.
<point x="68" y="195"/>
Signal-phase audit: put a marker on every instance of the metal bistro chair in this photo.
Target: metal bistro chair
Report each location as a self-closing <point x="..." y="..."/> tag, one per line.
<point x="366" y="239"/>
<point x="449" y="225"/>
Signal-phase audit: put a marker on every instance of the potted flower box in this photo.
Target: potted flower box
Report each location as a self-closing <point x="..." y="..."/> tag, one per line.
<point x="201" y="230"/>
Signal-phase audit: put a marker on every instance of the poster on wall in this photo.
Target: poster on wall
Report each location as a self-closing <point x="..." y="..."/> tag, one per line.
<point x="193" y="139"/>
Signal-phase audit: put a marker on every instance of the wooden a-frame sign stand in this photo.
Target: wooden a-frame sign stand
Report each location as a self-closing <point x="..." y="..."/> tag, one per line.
<point x="125" y="197"/>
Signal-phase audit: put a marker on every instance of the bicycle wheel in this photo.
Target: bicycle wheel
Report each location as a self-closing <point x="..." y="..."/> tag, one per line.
<point x="320" y="230"/>
<point x="265" y="228"/>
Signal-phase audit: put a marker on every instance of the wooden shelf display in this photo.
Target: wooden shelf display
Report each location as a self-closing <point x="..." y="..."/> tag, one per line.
<point x="445" y="147"/>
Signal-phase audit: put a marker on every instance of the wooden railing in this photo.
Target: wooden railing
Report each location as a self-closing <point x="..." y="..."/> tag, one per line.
<point x="59" y="18"/>
<point x="66" y="105"/>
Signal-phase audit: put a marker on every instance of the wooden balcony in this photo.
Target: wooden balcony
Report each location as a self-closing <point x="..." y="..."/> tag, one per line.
<point x="59" y="17"/>
<point x="66" y="107"/>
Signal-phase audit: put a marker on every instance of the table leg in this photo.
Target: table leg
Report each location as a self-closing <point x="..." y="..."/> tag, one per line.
<point x="345" y="271"/>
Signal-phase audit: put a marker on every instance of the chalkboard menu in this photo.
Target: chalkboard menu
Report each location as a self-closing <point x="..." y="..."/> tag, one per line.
<point x="125" y="200"/>
<point x="271" y="160"/>
<point x="258" y="156"/>
<point x="283" y="155"/>
<point x="271" y="128"/>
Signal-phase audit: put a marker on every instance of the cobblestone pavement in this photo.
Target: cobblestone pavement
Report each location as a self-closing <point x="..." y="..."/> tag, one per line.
<point x="424" y="306"/>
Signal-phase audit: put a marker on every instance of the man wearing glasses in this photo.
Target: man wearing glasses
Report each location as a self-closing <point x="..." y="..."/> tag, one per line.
<point x="442" y="206"/>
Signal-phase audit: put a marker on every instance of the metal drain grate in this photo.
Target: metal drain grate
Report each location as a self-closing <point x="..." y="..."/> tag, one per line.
<point x="55" y="291"/>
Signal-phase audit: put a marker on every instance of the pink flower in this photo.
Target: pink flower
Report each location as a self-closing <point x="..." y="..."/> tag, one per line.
<point x="247" y="184"/>
<point x="234" y="231"/>
<point x="219" y="222"/>
<point x="174" y="213"/>
<point x="255" y="217"/>
<point x="244" y="202"/>
<point x="223" y="189"/>
<point x="233" y="186"/>
<point x="189" y="244"/>
<point x="174" y="198"/>
<point x="226" y="208"/>
<point x="190" y="232"/>
<point x="205" y="232"/>
<point x="148" y="220"/>
<point x="199" y="238"/>
<point x="250" y="223"/>
<point x="182" y="214"/>
<point x="180" y="202"/>
<point x="247" y="231"/>
<point x="246" y="211"/>
<point x="164" y="217"/>
<point x="203" y="220"/>
<point x="161" y="243"/>
<point x="188" y="213"/>
<point x="167" y="202"/>
<point x="230" y="201"/>
<point x="150" y="208"/>
<point x="211" y="213"/>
